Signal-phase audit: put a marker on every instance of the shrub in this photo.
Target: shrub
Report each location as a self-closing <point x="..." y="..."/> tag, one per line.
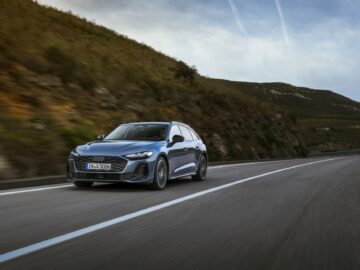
<point x="64" y="65"/>
<point x="184" y="71"/>
<point x="79" y="134"/>
<point x="85" y="80"/>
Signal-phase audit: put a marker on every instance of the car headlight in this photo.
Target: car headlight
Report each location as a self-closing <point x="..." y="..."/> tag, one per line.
<point x="74" y="153"/>
<point x="140" y="155"/>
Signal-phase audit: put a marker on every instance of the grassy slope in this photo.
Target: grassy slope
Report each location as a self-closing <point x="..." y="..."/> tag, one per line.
<point x="326" y="120"/>
<point x="63" y="80"/>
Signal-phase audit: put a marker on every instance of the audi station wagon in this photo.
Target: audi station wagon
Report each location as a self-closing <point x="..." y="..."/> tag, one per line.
<point x="148" y="152"/>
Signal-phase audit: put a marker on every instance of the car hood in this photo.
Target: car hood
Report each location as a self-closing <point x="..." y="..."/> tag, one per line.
<point x="116" y="148"/>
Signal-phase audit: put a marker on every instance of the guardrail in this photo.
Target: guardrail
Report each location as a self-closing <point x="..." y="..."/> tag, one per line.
<point x="335" y="153"/>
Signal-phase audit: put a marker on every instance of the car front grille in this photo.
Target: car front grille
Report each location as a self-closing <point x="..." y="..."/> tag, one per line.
<point x="103" y="176"/>
<point x="118" y="164"/>
<point x="140" y="173"/>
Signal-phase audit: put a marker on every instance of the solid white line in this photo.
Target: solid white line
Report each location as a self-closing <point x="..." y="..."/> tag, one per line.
<point x="32" y="190"/>
<point x="68" y="236"/>
<point x="34" y="178"/>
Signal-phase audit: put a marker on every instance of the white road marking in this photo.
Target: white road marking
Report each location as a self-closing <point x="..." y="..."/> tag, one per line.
<point x="33" y="189"/>
<point x="75" y="234"/>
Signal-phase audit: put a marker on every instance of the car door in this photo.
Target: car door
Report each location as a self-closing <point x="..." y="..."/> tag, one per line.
<point x="176" y="154"/>
<point x="190" y="159"/>
<point x="197" y="145"/>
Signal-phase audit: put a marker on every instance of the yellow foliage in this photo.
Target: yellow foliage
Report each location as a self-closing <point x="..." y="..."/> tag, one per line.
<point x="64" y="114"/>
<point x="16" y="107"/>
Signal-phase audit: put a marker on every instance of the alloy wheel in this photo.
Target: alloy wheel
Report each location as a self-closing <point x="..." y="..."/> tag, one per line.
<point x="162" y="173"/>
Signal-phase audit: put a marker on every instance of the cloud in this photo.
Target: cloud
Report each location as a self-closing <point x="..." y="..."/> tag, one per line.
<point x="239" y="24"/>
<point x="282" y="21"/>
<point x="324" y="54"/>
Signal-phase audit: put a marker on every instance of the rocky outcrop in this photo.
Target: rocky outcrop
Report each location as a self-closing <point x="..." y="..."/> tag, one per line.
<point x="106" y="98"/>
<point x="6" y="170"/>
<point x="218" y="144"/>
<point x="46" y="81"/>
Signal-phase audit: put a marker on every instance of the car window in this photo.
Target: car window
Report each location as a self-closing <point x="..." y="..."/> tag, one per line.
<point x="186" y="133"/>
<point x="138" y="132"/>
<point x="174" y="131"/>
<point x="194" y="135"/>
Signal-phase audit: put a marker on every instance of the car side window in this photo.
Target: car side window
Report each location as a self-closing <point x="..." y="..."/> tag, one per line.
<point x="174" y="131"/>
<point x="194" y="135"/>
<point x="186" y="133"/>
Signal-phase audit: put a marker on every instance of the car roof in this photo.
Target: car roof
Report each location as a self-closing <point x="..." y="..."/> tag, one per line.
<point x="158" y="123"/>
<point x="179" y="123"/>
<point x="147" y="123"/>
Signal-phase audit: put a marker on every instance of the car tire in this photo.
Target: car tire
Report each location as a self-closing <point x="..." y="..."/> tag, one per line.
<point x="83" y="184"/>
<point x="202" y="170"/>
<point x="160" y="174"/>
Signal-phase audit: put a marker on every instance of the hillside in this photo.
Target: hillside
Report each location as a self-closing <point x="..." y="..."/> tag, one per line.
<point x="326" y="120"/>
<point x="64" y="80"/>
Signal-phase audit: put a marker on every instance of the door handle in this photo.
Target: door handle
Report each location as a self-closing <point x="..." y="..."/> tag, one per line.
<point x="197" y="147"/>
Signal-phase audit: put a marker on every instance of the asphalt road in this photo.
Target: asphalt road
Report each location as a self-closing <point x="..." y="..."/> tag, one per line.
<point x="295" y="214"/>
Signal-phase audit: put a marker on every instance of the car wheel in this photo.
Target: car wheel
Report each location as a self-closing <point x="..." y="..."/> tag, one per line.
<point x="83" y="184"/>
<point x="160" y="174"/>
<point x="202" y="170"/>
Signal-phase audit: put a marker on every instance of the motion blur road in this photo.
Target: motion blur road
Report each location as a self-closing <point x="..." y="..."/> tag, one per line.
<point x="304" y="217"/>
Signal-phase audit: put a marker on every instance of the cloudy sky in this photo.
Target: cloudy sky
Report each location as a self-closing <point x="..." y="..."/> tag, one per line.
<point x="314" y="43"/>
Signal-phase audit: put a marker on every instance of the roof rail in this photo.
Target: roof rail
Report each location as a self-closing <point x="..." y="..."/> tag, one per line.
<point x="179" y="123"/>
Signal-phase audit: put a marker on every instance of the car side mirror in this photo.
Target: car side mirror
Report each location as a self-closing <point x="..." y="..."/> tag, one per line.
<point x="100" y="137"/>
<point x="177" y="139"/>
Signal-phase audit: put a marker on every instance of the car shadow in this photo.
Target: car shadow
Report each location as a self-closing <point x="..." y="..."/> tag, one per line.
<point x="131" y="187"/>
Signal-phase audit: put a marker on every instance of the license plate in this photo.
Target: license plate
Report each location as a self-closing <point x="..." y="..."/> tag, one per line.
<point x="98" y="166"/>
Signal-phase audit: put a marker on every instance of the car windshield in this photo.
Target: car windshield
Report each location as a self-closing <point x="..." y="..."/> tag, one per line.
<point x="152" y="132"/>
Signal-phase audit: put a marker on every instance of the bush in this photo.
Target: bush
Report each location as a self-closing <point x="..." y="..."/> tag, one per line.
<point x="184" y="71"/>
<point x="79" y="134"/>
<point x="64" y="65"/>
<point x="86" y="80"/>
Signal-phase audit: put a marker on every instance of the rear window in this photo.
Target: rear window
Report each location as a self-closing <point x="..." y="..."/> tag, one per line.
<point x="186" y="133"/>
<point x="194" y="135"/>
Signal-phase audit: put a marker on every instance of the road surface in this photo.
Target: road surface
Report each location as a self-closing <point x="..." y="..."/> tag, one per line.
<point x="293" y="214"/>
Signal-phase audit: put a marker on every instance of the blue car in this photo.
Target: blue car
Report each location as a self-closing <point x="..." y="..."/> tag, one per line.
<point x="149" y="152"/>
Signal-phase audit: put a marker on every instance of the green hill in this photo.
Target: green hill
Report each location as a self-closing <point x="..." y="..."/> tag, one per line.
<point x="326" y="120"/>
<point x="63" y="80"/>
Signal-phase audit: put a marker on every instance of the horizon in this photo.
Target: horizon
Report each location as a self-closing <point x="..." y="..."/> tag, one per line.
<point x="259" y="42"/>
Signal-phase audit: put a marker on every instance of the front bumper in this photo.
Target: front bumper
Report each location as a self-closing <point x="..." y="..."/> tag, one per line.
<point x="134" y="171"/>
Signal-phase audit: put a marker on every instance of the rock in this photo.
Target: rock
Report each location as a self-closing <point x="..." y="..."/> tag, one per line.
<point x="106" y="98"/>
<point x="219" y="144"/>
<point x="39" y="126"/>
<point x="74" y="87"/>
<point x="47" y="81"/>
<point x="326" y="129"/>
<point x="135" y="107"/>
<point x="4" y="165"/>
<point x="6" y="170"/>
<point x="278" y="93"/>
<point x="254" y="153"/>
